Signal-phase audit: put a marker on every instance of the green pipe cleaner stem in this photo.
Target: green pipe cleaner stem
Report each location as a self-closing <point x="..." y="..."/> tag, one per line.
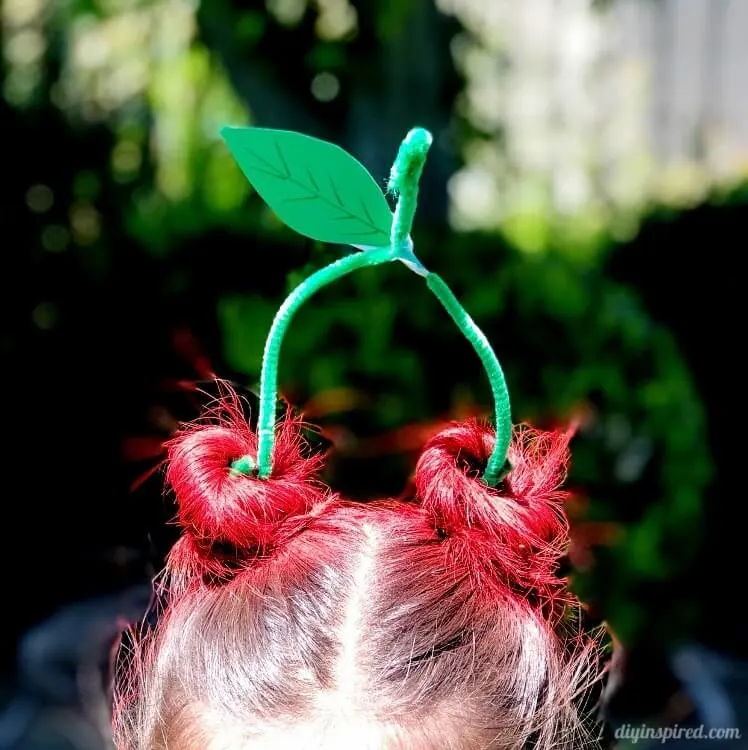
<point x="404" y="176"/>
<point x="271" y="355"/>
<point x="498" y="466"/>
<point x="404" y="179"/>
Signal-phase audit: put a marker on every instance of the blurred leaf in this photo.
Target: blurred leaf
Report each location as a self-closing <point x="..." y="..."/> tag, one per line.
<point x="250" y="27"/>
<point x="392" y="16"/>
<point x="327" y="57"/>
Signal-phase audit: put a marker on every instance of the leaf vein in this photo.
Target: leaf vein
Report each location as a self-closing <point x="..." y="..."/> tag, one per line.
<point x="311" y="179"/>
<point x="270" y="169"/>
<point x="335" y="192"/>
<point x="286" y="170"/>
<point x="264" y="166"/>
<point x="337" y="204"/>
<point x="298" y="198"/>
<point x="369" y="217"/>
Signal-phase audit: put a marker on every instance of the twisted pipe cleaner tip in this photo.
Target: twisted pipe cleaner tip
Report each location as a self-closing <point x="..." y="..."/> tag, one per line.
<point x="410" y="159"/>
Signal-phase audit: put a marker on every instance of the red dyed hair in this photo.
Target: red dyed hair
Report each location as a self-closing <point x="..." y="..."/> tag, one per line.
<point x="293" y="617"/>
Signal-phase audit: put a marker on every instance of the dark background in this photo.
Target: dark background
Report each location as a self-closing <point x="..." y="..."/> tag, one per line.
<point x="137" y="261"/>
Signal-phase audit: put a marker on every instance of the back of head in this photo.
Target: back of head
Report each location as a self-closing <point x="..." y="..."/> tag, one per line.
<point x="293" y="618"/>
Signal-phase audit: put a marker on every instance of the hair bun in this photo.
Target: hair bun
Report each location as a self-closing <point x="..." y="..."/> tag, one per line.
<point x="518" y="527"/>
<point x="221" y="509"/>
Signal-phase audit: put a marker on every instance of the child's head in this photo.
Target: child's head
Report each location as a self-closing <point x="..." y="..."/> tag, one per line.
<point x="296" y="619"/>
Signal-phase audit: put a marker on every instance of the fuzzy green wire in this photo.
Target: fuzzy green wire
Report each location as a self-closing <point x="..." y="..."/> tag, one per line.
<point x="271" y="355"/>
<point x="498" y="466"/>
<point x="404" y="177"/>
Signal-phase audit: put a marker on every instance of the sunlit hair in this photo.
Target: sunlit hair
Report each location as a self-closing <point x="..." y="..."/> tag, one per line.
<point x="293" y="618"/>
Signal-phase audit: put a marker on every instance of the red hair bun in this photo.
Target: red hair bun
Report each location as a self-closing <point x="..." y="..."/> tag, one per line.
<point x="519" y="526"/>
<point x="220" y="508"/>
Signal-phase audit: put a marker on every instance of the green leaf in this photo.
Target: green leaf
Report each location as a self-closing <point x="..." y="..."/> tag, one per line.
<point x="315" y="187"/>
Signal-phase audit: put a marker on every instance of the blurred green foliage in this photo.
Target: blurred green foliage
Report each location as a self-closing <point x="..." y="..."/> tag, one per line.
<point x="141" y="89"/>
